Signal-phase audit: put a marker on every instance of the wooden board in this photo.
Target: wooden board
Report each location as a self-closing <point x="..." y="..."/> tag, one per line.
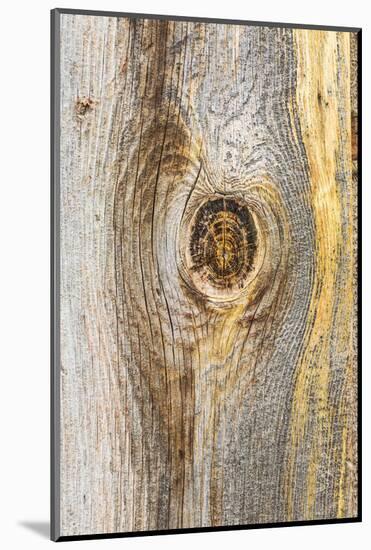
<point x="208" y="268"/>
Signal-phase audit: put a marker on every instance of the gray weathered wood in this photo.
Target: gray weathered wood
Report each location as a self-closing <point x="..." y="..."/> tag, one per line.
<point x="211" y="383"/>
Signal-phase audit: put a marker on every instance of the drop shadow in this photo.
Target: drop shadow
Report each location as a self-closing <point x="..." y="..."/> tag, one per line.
<point x="42" y="528"/>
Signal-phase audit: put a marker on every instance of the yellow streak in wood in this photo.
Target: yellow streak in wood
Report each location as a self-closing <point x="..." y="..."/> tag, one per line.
<point x="317" y="96"/>
<point x="341" y="494"/>
<point x="225" y="330"/>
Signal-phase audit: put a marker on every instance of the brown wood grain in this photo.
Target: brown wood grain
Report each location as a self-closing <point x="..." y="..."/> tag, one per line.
<point x="208" y="275"/>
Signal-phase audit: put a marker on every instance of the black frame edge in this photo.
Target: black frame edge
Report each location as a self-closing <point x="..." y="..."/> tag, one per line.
<point x="54" y="277"/>
<point x="72" y="11"/>
<point x="359" y="270"/>
<point x="209" y="529"/>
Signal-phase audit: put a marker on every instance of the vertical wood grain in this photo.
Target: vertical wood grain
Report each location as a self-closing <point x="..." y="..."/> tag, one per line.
<point x="208" y="268"/>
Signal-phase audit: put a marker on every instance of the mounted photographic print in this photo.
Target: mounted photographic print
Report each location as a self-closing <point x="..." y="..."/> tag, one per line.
<point x="205" y="251"/>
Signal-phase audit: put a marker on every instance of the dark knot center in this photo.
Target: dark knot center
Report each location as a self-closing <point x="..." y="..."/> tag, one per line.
<point x="223" y="243"/>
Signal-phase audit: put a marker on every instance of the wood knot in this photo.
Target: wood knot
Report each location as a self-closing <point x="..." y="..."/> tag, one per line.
<point x="233" y="247"/>
<point x="83" y="105"/>
<point x="222" y="244"/>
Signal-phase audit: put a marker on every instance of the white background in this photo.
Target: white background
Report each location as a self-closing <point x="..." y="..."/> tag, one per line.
<point x="24" y="270"/>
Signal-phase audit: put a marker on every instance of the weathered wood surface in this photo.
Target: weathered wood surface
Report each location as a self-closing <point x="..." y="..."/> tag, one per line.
<point x="208" y="339"/>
